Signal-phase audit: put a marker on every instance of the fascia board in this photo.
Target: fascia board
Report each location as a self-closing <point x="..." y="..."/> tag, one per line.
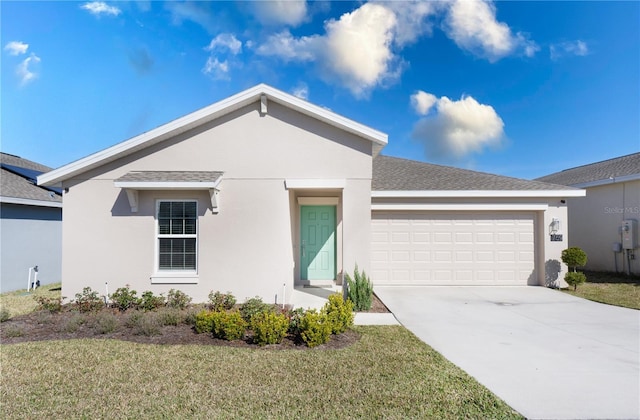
<point x="202" y="116"/>
<point x="460" y="207"/>
<point x="166" y="185"/>
<point x="29" y="202"/>
<point x="478" y="193"/>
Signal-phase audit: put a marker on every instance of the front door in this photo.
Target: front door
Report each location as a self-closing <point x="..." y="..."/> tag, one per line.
<point x="318" y="242"/>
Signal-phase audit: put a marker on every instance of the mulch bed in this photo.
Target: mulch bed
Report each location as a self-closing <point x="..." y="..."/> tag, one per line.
<point x="44" y="326"/>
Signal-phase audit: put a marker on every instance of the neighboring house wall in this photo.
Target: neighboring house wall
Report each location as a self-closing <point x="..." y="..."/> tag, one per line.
<point x="29" y="236"/>
<point x="595" y="221"/>
<point x="251" y="247"/>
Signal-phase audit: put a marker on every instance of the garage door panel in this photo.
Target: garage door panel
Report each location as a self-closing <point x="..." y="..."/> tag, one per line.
<point x="466" y="248"/>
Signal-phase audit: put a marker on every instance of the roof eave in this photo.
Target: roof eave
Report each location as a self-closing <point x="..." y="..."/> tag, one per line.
<point x="204" y="115"/>
<point x="612" y="180"/>
<point x="477" y="193"/>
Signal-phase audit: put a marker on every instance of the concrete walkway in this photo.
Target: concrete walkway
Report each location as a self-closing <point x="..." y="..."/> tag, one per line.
<point x="547" y="354"/>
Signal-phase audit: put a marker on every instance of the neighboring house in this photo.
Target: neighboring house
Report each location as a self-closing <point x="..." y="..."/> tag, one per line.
<point x="598" y="223"/>
<point x="263" y="191"/>
<point x="30" y="225"/>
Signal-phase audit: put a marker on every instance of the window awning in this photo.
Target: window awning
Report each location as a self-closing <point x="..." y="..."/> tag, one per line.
<point x="133" y="182"/>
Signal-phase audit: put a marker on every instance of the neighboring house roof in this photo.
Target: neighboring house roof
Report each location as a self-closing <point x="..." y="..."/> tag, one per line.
<point x="18" y="183"/>
<point x="402" y="177"/>
<point x="620" y="169"/>
<point x="262" y="93"/>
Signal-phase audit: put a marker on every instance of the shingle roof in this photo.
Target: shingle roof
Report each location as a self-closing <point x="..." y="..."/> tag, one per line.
<point x="604" y="170"/>
<point x="15" y="185"/>
<point x="171" y="176"/>
<point x="396" y="174"/>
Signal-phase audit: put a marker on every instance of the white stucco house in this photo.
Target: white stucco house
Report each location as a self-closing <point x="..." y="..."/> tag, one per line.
<point x="30" y="226"/>
<point x="262" y="192"/>
<point x="605" y="223"/>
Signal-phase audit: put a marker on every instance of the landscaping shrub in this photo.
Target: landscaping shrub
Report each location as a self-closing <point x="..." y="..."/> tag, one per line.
<point x="4" y="314"/>
<point x="12" y="332"/>
<point x="191" y="313"/>
<point x="148" y="324"/>
<point x="133" y="319"/>
<point x="295" y="318"/>
<point x="170" y="316"/>
<point x="73" y="323"/>
<point x="53" y="305"/>
<point x="339" y="313"/>
<point x="178" y="299"/>
<point x="315" y="328"/>
<point x="574" y="278"/>
<point x="269" y="328"/>
<point x="360" y="290"/>
<point x="204" y="321"/>
<point x="253" y="307"/>
<point x="221" y="301"/>
<point x="88" y="301"/>
<point x="105" y="323"/>
<point x="124" y="298"/>
<point x="228" y="325"/>
<point x="149" y="302"/>
<point x="574" y="257"/>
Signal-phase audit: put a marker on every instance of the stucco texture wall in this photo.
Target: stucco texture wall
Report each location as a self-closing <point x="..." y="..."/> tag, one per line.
<point x="595" y="221"/>
<point x="29" y="236"/>
<point x="247" y="248"/>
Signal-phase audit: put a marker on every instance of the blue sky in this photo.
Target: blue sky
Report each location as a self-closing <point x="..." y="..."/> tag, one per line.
<point x="520" y="89"/>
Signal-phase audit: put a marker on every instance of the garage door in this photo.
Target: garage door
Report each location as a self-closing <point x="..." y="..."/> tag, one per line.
<point x="452" y="248"/>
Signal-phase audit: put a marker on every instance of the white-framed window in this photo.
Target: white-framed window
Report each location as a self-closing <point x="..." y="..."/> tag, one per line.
<point x="177" y="236"/>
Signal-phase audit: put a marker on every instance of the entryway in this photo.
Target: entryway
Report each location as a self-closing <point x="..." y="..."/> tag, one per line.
<point x="317" y="242"/>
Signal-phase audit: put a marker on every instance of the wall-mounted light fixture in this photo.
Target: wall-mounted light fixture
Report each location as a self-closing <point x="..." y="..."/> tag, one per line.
<point x="554" y="226"/>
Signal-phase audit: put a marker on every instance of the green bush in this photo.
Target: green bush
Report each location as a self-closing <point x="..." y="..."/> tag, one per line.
<point x="295" y="318"/>
<point x="149" y="302"/>
<point x="4" y="314"/>
<point x="574" y="257"/>
<point x="147" y="324"/>
<point x="228" y="325"/>
<point x="178" y="299"/>
<point x="204" y="321"/>
<point x="221" y="301"/>
<point x="191" y="313"/>
<point x="253" y="307"/>
<point x="315" y="328"/>
<point x="360" y="290"/>
<point x="339" y="313"/>
<point x="269" y="328"/>
<point x="88" y="301"/>
<point x="73" y="323"/>
<point x="105" y="323"/>
<point x="133" y="319"/>
<point x="574" y="278"/>
<point x="124" y="298"/>
<point x="53" y="305"/>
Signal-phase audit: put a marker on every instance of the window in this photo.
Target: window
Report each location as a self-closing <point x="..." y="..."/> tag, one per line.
<point x="177" y="235"/>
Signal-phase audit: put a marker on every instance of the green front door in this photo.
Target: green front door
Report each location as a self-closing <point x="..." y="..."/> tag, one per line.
<point x="318" y="242"/>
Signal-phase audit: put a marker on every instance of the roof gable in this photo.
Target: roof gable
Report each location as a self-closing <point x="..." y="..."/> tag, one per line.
<point x="262" y="93"/>
<point x="398" y="176"/>
<point x="623" y="168"/>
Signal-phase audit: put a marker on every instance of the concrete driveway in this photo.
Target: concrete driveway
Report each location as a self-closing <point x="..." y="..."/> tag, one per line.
<point x="547" y="354"/>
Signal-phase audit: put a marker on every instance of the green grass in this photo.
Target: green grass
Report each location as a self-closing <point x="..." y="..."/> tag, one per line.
<point x="610" y="288"/>
<point x="389" y="373"/>
<point x="22" y="302"/>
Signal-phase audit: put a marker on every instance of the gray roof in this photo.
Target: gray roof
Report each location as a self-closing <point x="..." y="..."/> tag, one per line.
<point x="15" y="185"/>
<point x="171" y="176"/>
<point x="599" y="171"/>
<point x="390" y="173"/>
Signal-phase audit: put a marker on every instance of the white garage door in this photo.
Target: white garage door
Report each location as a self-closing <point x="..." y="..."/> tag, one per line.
<point x="452" y="248"/>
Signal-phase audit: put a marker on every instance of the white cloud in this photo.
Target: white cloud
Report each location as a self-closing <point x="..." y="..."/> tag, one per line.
<point x="422" y="102"/>
<point x="577" y="47"/>
<point x="301" y="91"/>
<point x="280" y="12"/>
<point x="225" y="42"/>
<point x="195" y="11"/>
<point x="99" y="8"/>
<point x="16" y="47"/>
<point x="355" y="51"/>
<point x="411" y="19"/>
<point x="217" y="69"/>
<point x="459" y="128"/>
<point x="472" y="25"/>
<point x="25" y="72"/>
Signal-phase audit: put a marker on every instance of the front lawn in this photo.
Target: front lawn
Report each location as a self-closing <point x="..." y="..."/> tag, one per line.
<point x="388" y="373"/>
<point x="610" y="288"/>
<point x="21" y="302"/>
